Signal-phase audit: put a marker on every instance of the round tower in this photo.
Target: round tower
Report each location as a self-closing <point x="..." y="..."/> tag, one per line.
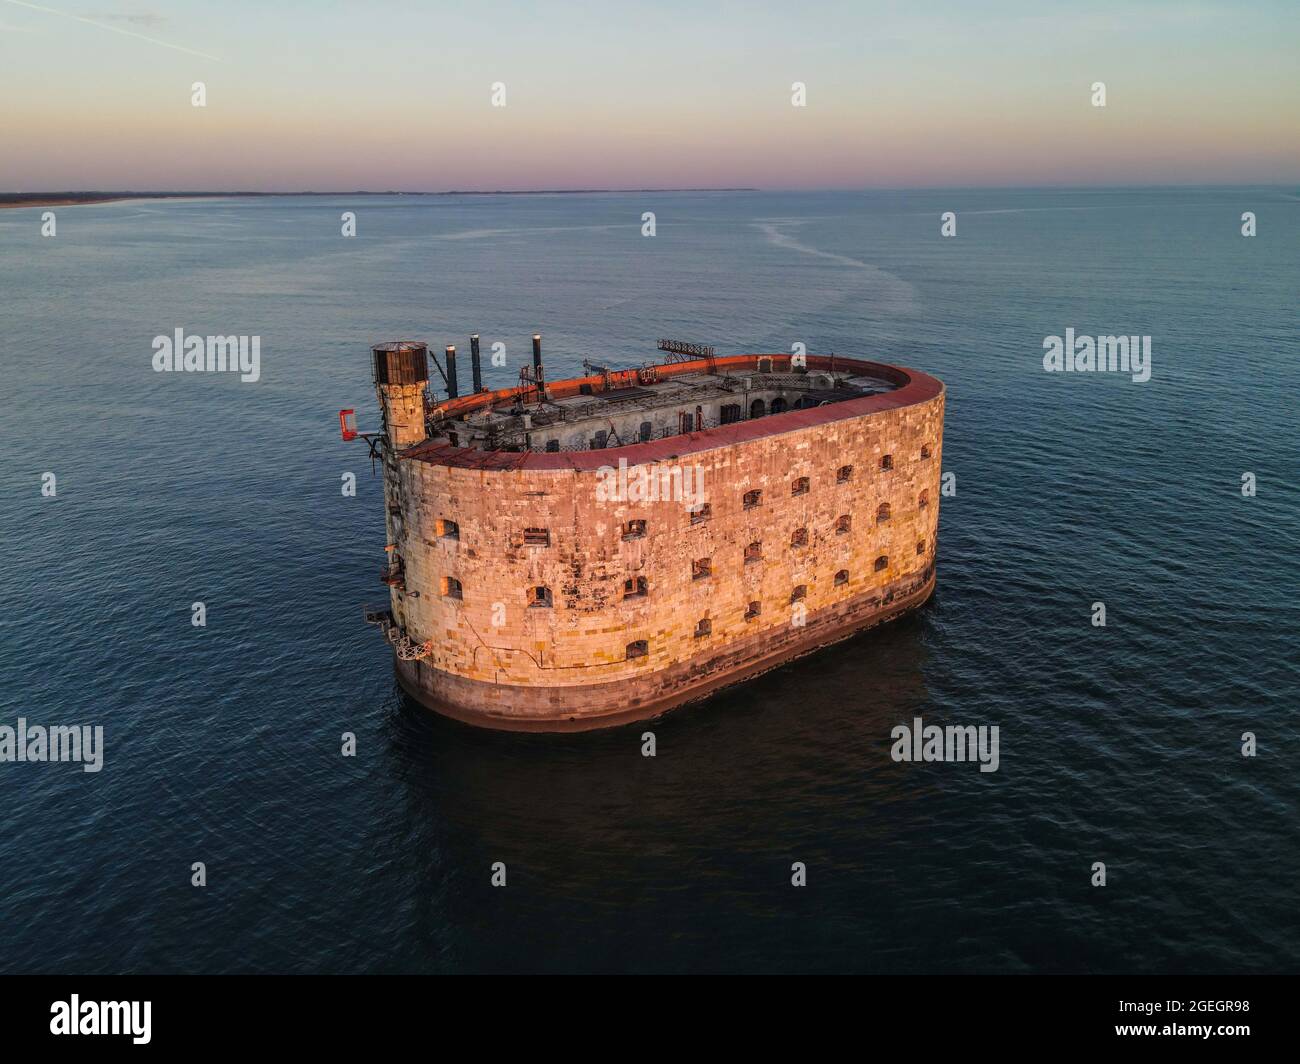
<point x="401" y="375"/>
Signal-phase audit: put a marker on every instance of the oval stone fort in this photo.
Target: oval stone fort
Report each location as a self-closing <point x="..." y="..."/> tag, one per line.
<point x="588" y="552"/>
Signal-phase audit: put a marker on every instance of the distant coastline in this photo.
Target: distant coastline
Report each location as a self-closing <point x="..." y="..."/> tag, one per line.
<point x="69" y="199"/>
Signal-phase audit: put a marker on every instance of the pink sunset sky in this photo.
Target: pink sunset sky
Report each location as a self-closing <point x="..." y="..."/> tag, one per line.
<point x="627" y="95"/>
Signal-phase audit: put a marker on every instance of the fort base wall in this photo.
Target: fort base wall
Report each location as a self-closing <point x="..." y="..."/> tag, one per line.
<point x="509" y="707"/>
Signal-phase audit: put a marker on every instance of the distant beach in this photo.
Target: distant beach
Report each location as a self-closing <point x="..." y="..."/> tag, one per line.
<point x="72" y="199"/>
<point x="56" y="200"/>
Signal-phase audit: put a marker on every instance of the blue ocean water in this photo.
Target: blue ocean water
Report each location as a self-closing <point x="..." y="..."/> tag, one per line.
<point x="1119" y="745"/>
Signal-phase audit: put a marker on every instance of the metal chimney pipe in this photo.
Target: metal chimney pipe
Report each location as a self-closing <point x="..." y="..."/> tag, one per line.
<point x="537" y="366"/>
<point x="474" y="363"/>
<point x="453" y="389"/>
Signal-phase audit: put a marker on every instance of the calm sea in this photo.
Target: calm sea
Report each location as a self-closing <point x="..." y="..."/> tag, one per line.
<point x="1119" y="745"/>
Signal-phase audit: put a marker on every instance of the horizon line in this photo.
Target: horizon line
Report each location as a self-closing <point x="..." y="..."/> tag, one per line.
<point x="73" y="196"/>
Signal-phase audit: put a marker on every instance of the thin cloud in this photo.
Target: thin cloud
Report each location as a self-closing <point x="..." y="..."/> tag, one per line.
<point x="114" y="29"/>
<point x="143" y="18"/>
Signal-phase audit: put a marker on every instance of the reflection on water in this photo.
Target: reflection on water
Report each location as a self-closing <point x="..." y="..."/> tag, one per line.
<point x="799" y="755"/>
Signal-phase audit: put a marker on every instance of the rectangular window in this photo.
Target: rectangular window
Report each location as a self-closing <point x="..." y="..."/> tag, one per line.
<point x="537" y="537"/>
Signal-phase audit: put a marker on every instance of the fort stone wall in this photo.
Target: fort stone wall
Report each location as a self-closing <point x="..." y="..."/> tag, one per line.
<point x="546" y="603"/>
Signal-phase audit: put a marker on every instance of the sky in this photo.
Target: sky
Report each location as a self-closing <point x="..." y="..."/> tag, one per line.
<point x="388" y="95"/>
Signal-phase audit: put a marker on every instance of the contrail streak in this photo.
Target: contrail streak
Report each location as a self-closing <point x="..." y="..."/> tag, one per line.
<point x="115" y="29"/>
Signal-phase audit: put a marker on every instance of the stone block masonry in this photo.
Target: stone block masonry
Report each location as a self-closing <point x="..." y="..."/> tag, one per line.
<point x="546" y="606"/>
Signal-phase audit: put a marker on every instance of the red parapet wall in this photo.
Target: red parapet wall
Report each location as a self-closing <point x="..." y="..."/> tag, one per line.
<point x="911" y="387"/>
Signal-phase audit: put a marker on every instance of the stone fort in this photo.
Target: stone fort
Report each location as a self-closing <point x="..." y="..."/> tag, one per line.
<point x="524" y="594"/>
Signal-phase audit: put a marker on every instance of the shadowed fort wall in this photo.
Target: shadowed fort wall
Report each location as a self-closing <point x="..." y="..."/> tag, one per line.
<point x="493" y="654"/>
